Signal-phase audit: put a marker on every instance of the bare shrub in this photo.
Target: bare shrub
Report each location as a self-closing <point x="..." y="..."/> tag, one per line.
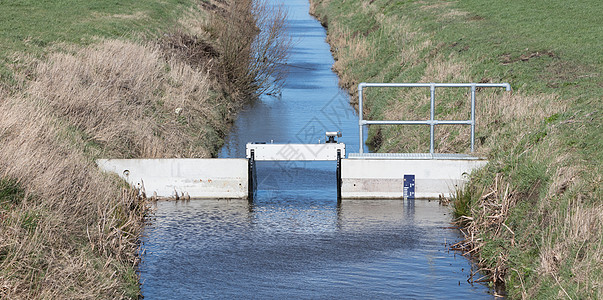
<point x="270" y="47"/>
<point x="253" y="46"/>
<point x="189" y="48"/>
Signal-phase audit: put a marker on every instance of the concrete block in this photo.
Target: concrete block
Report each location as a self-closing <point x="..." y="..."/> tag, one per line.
<point x="384" y="179"/>
<point x="213" y="178"/>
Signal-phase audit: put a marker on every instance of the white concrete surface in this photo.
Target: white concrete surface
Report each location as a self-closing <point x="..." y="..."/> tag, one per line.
<point x="295" y="151"/>
<point x="384" y="179"/>
<point x="213" y="178"/>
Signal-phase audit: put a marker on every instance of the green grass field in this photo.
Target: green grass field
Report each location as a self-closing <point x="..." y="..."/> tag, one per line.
<point x="543" y="140"/>
<point x="37" y="27"/>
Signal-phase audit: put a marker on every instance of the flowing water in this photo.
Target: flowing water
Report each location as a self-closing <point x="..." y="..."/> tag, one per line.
<point x="295" y="240"/>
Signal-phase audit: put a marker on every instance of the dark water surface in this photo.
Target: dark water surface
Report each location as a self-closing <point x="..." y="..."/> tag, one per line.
<point x="295" y="241"/>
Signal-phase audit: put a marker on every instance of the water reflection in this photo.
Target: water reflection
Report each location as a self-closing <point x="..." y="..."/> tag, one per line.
<point x="221" y="248"/>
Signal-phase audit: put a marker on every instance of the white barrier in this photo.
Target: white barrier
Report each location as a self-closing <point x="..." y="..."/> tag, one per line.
<point x="199" y="178"/>
<point x="384" y="178"/>
<point x="292" y="152"/>
<point x="369" y="176"/>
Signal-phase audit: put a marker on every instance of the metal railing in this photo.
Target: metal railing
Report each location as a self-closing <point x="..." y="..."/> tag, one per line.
<point x="432" y="122"/>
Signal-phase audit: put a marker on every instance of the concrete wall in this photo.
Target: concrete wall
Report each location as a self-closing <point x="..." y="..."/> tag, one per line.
<point x="384" y="179"/>
<point x="200" y="178"/>
<point x="228" y="178"/>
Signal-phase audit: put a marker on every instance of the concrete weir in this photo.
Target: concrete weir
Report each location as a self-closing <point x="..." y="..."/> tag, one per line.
<point x="224" y="178"/>
<point x="360" y="176"/>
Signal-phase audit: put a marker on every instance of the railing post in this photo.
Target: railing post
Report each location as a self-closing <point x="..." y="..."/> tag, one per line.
<point x="432" y="118"/>
<point x="360" y="118"/>
<point x="472" y="117"/>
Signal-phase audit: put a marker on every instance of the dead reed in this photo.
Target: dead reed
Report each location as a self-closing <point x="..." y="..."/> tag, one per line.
<point x="490" y="214"/>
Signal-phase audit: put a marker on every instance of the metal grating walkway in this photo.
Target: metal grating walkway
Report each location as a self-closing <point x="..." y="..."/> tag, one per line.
<point x="416" y="156"/>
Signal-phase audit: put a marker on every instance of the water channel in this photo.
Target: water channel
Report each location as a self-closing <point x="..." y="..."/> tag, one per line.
<point x="295" y="240"/>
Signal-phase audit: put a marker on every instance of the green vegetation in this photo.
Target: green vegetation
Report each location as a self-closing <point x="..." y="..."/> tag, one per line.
<point x="536" y="209"/>
<point x="10" y="193"/>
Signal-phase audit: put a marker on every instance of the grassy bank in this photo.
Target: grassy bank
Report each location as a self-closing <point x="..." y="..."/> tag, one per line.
<point x="533" y="216"/>
<point x="82" y="80"/>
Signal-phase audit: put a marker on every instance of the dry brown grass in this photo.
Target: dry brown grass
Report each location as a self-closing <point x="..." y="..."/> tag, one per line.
<point x="349" y="48"/>
<point x="493" y="108"/>
<point x="73" y="235"/>
<point x="139" y="15"/>
<point x="120" y="96"/>
<point x="355" y="47"/>
<point x="572" y="237"/>
<point x="195" y="21"/>
<point x="446" y="69"/>
<point x="443" y="10"/>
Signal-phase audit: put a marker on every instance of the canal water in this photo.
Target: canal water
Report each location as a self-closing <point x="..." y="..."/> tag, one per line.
<point x="295" y="240"/>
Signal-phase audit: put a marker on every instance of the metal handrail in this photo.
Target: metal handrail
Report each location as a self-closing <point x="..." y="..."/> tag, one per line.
<point x="432" y="121"/>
